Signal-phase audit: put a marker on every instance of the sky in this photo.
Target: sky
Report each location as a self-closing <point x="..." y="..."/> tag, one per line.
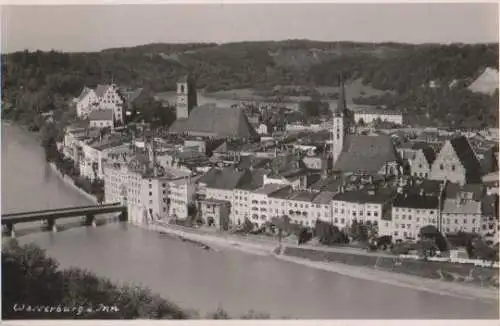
<point x="96" y="27"/>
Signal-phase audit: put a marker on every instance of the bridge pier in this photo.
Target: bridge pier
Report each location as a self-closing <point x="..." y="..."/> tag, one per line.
<point x="123" y="217"/>
<point x="51" y="225"/>
<point x="90" y="220"/>
<point x="8" y="230"/>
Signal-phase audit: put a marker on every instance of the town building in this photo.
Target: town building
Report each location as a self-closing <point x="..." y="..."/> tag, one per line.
<point x="104" y="97"/>
<point x="181" y="194"/>
<point x="111" y="99"/>
<point x="461" y="208"/>
<point x="369" y="206"/>
<point x="215" y="213"/>
<point x="456" y="162"/>
<point x="101" y="119"/>
<point x="86" y="102"/>
<point x="490" y="227"/>
<point x="410" y="212"/>
<point x="370" y="115"/>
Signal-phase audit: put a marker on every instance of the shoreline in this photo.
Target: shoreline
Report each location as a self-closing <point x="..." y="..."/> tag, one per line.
<point x="364" y="273"/>
<point x="67" y="180"/>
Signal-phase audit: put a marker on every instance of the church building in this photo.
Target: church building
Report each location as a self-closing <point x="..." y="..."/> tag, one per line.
<point x="207" y="120"/>
<point x="360" y="154"/>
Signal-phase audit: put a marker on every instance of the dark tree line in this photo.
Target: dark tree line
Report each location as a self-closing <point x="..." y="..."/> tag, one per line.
<point x="30" y="278"/>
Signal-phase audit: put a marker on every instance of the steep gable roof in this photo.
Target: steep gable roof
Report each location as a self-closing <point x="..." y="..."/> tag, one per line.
<point x="101" y="89"/>
<point x="467" y="158"/>
<point x="429" y="154"/>
<point x="218" y="121"/>
<point x="366" y="154"/>
<point x="84" y="93"/>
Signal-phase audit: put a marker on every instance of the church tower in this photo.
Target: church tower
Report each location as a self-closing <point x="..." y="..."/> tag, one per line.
<point x="341" y="124"/>
<point x="186" y="97"/>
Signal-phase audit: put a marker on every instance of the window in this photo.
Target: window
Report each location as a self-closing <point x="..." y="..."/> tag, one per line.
<point x="150" y="193"/>
<point x="441" y="167"/>
<point x="336" y="220"/>
<point x="453" y="167"/>
<point x="395" y="233"/>
<point x="342" y="221"/>
<point x="369" y="213"/>
<point x="375" y="213"/>
<point x="403" y="217"/>
<point x="409" y="217"/>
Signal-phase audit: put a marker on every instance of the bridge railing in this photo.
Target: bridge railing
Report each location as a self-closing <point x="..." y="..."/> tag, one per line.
<point x="58" y="210"/>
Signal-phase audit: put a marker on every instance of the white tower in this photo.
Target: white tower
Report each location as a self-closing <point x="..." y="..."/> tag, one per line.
<point x="340" y="124"/>
<point x="186" y="97"/>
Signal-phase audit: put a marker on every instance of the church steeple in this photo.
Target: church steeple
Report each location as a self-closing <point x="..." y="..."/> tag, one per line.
<point x="341" y="104"/>
<point x="340" y="128"/>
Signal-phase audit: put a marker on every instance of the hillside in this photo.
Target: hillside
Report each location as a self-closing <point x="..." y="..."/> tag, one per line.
<point x="401" y="69"/>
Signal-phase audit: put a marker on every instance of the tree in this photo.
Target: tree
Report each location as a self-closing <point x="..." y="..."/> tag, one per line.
<point x="283" y="225"/>
<point x="29" y="277"/>
<point x="431" y="232"/>
<point x="328" y="234"/>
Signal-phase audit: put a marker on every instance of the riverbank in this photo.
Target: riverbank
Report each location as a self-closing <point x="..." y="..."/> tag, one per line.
<point x="67" y="180"/>
<point x="359" y="272"/>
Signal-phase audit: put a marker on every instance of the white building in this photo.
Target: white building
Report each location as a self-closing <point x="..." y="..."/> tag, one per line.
<point x="142" y="188"/>
<point x="181" y="193"/>
<point x="410" y="212"/>
<point x="104" y="97"/>
<point x="361" y="205"/>
<point x="110" y="98"/>
<point x="86" y="102"/>
<point x="370" y="115"/>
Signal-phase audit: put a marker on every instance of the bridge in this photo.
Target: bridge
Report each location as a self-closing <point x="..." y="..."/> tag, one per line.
<point x="51" y="215"/>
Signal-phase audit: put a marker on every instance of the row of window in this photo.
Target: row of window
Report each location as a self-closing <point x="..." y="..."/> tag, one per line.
<point x="354" y="213"/>
<point x="412" y="210"/>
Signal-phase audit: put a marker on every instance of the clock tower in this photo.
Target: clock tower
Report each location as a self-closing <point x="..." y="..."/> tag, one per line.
<point x="186" y="97"/>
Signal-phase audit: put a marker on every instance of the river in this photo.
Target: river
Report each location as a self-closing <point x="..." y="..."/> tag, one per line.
<point x="199" y="279"/>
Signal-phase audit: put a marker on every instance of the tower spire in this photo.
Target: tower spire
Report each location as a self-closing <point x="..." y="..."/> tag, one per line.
<point x="341" y="104"/>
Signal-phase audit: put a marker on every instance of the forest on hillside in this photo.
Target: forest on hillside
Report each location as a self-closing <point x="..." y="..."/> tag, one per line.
<point x="42" y="81"/>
